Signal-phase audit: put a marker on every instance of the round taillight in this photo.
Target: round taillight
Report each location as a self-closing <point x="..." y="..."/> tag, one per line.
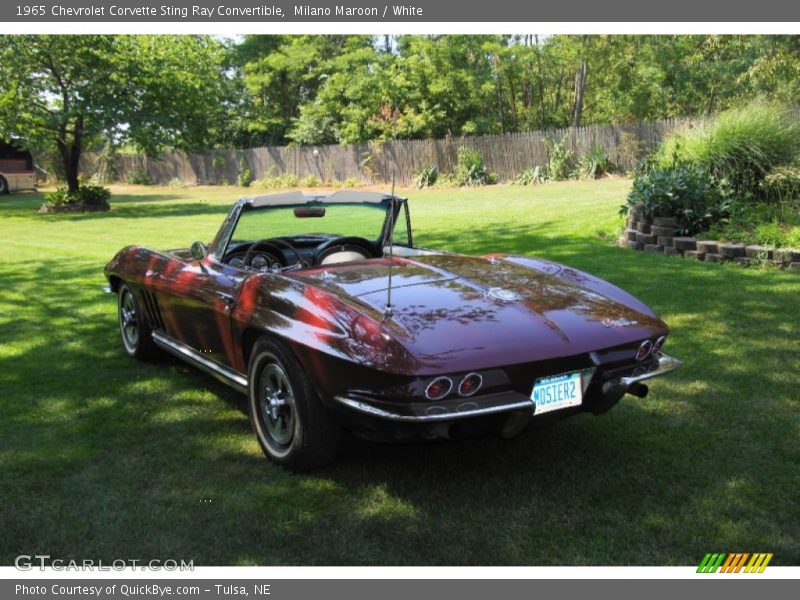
<point x="645" y="349"/>
<point x="438" y="388"/>
<point x="658" y="345"/>
<point x="470" y="384"/>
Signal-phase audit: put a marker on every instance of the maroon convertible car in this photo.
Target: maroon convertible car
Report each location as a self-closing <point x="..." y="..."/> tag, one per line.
<point x="323" y="311"/>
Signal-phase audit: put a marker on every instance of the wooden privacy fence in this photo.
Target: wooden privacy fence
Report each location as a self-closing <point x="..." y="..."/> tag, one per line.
<point x="505" y="154"/>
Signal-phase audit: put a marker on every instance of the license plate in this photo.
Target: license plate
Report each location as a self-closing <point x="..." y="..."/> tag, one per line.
<point x="557" y="392"/>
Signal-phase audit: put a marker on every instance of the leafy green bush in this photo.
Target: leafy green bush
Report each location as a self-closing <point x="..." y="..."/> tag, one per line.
<point x="59" y="197"/>
<point x="94" y="195"/>
<point x="774" y="223"/>
<point x="471" y="169"/>
<point x="533" y="176"/>
<point x="559" y="164"/>
<point x="176" y="182"/>
<point x="138" y="177"/>
<point x="792" y="237"/>
<point x="782" y="184"/>
<point x="681" y="190"/>
<point x="595" y="164"/>
<point x="446" y="180"/>
<point x="310" y="181"/>
<point x="219" y="160"/>
<point x="427" y="176"/>
<point x="740" y="146"/>
<point x="770" y="233"/>
<point x="274" y="182"/>
<point x="245" y="177"/>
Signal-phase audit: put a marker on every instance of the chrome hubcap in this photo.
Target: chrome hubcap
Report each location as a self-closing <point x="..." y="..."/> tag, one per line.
<point x="127" y="320"/>
<point x="277" y="405"/>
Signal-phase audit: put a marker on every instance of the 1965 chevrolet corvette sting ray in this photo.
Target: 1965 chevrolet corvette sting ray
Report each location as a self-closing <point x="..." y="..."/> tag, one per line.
<point x="323" y="311"/>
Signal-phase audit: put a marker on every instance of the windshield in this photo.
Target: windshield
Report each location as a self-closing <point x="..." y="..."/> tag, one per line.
<point x="314" y="218"/>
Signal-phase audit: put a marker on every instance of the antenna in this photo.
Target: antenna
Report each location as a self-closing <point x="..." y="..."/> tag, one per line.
<point x="388" y="310"/>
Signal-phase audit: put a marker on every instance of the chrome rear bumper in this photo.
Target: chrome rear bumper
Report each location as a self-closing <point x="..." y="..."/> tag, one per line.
<point x="503" y="402"/>
<point x="665" y="364"/>
<point x="496" y="403"/>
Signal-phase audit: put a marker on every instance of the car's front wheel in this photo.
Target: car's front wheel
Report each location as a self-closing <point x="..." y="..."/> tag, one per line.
<point x="292" y="427"/>
<point x="136" y="333"/>
<point x="3" y="185"/>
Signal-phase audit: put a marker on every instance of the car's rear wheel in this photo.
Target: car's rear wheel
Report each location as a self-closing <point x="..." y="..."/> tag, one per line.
<point x="136" y="333"/>
<point x="3" y="185"/>
<point x="293" y="428"/>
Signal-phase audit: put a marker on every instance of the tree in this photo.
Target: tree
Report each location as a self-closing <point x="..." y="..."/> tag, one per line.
<point x="282" y="73"/>
<point x="67" y="92"/>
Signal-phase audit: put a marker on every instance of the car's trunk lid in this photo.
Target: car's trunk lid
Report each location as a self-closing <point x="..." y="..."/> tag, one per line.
<point x="470" y="311"/>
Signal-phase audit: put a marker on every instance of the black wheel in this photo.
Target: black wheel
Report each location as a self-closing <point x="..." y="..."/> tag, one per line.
<point x="292" y="427"/>
<point x="3" y="186"/>
<point x="136" y="333"/>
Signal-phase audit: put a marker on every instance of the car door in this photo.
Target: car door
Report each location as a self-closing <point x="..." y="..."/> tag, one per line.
<point x="197" y="297"/>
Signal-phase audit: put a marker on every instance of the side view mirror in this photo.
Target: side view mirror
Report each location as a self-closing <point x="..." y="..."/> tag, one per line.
<point x="198" y="250"/>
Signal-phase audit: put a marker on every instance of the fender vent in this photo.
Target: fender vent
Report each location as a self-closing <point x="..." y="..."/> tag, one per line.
<point x="153" y="310"/>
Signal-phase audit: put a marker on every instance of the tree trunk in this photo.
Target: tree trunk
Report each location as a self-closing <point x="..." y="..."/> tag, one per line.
<point x="580" y="86"/>
<point x="70" y="174"/>
<point x="70" y="153"/>
<point x="500" y="100"/>
<point x="513" y="102"/>
<point x="557" y="101"/>
<point x="543" y="110"/>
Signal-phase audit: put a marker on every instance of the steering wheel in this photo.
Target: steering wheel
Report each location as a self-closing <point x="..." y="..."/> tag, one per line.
<point x="354" y="244"/>
<point x="274" y="245"/>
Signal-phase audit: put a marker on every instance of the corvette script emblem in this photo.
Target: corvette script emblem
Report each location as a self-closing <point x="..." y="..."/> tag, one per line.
<point x="618" y="323"/>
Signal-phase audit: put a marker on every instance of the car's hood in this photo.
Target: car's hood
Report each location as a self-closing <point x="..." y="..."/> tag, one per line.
<point x="469" y="311"/>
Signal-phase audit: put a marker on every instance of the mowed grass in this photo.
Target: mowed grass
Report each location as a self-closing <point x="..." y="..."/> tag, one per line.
<point x="105" y="457"/>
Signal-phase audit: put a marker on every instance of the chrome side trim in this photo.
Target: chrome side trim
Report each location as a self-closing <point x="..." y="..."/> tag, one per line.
<point x="665" y="365"/>
<point x="193" y="357"/>
<point x="392" y="416"/>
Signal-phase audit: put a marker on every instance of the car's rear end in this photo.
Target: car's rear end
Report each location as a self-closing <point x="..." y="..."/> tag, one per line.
<point x="504" y="399"/>
<point x="470" y="346"/>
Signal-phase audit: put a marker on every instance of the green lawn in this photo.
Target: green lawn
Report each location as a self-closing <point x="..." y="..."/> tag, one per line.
<point x="105" y="457"/>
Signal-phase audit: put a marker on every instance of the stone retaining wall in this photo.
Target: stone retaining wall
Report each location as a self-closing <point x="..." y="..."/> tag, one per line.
<point x="658" y="234"/>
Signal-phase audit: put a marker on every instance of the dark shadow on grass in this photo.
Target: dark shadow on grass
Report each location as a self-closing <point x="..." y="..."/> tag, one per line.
<point x="123" y="206"/>
<point x="184" y="209"/>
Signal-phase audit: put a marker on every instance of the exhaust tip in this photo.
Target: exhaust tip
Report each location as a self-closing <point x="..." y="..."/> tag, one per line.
<point x="613" y="390"/>
<point x="639" y="390"/>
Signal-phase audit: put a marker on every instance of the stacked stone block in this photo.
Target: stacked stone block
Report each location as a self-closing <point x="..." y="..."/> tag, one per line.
<point x="660" y="234"/>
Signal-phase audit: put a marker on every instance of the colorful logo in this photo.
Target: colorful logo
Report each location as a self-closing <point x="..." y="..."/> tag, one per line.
<point x="735" y="562"/>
